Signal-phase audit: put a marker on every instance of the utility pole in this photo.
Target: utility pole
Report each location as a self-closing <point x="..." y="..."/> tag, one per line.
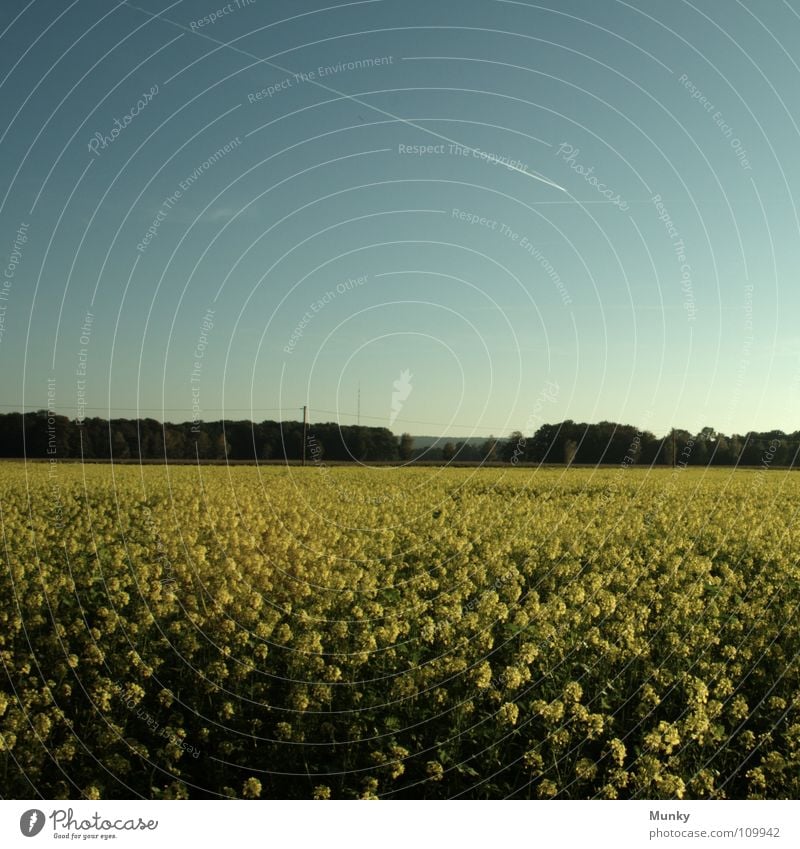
<point x="674" y="458"/>
<point x="358" y="419"/>
<point x="305" y="431"/>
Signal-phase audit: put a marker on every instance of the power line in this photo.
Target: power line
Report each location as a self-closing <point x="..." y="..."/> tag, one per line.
<point x="411" y="421"/>
<point x="357" y="414"/>
<point x="164" y="409"/>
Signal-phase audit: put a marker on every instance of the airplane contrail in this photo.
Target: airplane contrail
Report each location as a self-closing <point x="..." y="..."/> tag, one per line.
<point x="331" y="90"/>
<point x="534" y="176"/>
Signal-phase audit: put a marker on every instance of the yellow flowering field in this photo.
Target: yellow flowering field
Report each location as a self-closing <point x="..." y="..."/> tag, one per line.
<point x="203" y="632"/>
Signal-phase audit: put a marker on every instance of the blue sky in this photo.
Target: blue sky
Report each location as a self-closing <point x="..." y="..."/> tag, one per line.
<point x="466" y="193"/>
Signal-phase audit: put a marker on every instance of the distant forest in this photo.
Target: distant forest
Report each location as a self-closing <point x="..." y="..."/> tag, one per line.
<point x="45" y="435"/>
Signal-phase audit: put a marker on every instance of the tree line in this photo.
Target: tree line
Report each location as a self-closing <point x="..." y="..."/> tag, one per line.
<point x="610" y="443"/>
<point x="43" y="434"/>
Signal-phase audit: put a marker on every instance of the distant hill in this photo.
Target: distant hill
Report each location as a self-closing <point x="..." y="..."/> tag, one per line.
<point x="428" y="441"/>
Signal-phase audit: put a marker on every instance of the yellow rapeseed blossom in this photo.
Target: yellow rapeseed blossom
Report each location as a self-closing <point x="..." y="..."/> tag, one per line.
<point x="363" y="633"/>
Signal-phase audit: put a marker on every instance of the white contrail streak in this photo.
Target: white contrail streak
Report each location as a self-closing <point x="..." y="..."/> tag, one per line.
<point x="331" y="90"/>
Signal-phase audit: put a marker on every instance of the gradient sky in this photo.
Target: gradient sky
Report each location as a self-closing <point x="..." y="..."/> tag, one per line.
<point x="695" y="103"/>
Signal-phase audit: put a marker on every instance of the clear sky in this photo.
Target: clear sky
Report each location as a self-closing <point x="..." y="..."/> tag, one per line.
<point x="233" y="210"/>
